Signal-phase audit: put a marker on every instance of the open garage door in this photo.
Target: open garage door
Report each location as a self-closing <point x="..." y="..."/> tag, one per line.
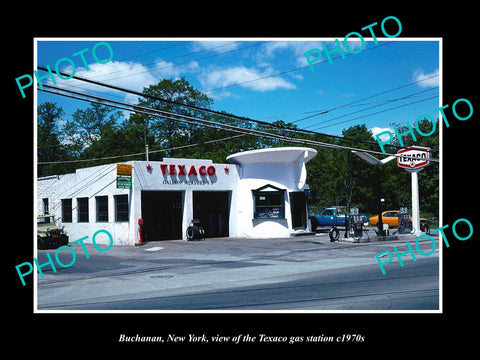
<point x="212" y="208"/>
<point x="162" y="213"/>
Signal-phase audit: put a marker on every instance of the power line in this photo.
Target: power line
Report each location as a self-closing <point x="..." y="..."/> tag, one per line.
<point x="325" y="111"/>
<point x="154" y="51"/>
<point x="279" y="127"/>
<point x="194" y="107"/>
<point x="291" y="70"/>
<point x="189" y="106"/>
<point x="164" y="114"/>
<point x="142" y="153"/>
<point x="203" y="109"/>
<point x="172" y="58"/>
<point x="378" y="112"/>
<point x="178" y="64"/>
<point x="372" y="107"/>
<point x="210" y="123"/>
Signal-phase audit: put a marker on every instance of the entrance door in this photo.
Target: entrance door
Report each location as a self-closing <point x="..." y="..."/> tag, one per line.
<point x="298" y="207"/>
<point x="213" y="210"/>
<point x="162" y="215"/>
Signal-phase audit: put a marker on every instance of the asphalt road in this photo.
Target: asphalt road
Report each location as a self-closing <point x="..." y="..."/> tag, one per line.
<point x="305" y="273"/>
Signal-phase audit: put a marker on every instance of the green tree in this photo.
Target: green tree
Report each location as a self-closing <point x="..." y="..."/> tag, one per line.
<point x="358" y="177"/>
<point x="322" y="178"/>
<point x="93" y="123"/>
<point x="172" y="135"/>
<point x="49" y="147"/>
<point x="167" y="131"/>
<point x="93" y="133"/>
<point x="339" y="177"/>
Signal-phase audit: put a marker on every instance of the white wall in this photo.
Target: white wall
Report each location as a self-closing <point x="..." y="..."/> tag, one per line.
<point x="249" y="227"/>
<point x="283" y="168"/>
<point x="239" y="179"/>
<point x="154" y="179"/>
<point x="89" y="183"/>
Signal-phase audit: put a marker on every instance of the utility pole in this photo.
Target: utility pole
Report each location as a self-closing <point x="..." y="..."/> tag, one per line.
<point x="146" y="145"/>
<point x="378" y="184"/>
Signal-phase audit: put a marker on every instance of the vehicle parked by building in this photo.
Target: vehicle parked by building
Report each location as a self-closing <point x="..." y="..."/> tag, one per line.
<point x="49" y="235"/>
<point x="331" y="217"/>
<point x="390" y="217"/>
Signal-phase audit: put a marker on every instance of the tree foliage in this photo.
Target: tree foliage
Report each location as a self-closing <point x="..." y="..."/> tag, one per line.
<point x="336" y="177"/>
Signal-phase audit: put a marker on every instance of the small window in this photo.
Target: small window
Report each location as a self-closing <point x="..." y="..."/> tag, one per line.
<point x="82" y="206"/>
<point x="102" y="208"/>
<point x="269" y="204"/>
<point x="121" y="207"/>
<point x="67" y="210"/>
<point x="45" y="206"/>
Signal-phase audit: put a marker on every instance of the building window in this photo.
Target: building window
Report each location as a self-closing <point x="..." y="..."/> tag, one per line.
<point x="45" y="206"/>
<point x="102" y="208"/>
<point x="82" y="206"/>
<point x="121" y="207"/>
<point x="269" y="203"/>
<point x="67" y="210"/>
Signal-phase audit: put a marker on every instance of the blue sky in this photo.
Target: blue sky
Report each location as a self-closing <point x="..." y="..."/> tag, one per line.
<point x="240" y="76"/>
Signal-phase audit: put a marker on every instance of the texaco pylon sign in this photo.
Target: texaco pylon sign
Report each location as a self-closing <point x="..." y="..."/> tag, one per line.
<point x="414" y="158"/>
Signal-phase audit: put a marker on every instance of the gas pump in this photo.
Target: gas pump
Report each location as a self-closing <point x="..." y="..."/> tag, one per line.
<point x="355" y="224"/>
<point x="404" y="222"/>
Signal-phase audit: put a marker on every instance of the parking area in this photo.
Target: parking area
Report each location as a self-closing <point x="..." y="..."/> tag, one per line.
<point x="159" y="274"/>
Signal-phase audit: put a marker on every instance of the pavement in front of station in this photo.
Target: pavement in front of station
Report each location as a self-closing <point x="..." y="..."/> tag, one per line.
<point x="176" y="268"/>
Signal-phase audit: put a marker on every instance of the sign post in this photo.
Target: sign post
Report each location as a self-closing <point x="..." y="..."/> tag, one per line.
<point x="414" y="159"/>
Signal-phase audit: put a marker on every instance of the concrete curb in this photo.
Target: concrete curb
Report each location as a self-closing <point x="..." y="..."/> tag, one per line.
<point x="376" y="238"/>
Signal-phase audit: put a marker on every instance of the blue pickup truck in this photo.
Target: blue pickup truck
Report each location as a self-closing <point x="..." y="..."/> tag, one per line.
<point x="330" y="217"/>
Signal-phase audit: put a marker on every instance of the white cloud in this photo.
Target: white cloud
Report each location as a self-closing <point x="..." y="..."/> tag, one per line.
<point x="270" y="48"/>
<point x="296" y="49"/>
<point x="376" y="130"/>
<point x="243" y="76"/>
<point x="129" y="75"/>
<point x="214" y="45"/>
<point x="425" y="80"/>
<point x="168" y="69"/>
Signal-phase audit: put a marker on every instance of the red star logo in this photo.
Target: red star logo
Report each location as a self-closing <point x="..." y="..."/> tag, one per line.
<point x="149" y="167"/>
<point x="226" y="169"/>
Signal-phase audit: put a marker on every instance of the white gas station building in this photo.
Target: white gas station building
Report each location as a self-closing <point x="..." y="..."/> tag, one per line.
<point x="255" y="194"/>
